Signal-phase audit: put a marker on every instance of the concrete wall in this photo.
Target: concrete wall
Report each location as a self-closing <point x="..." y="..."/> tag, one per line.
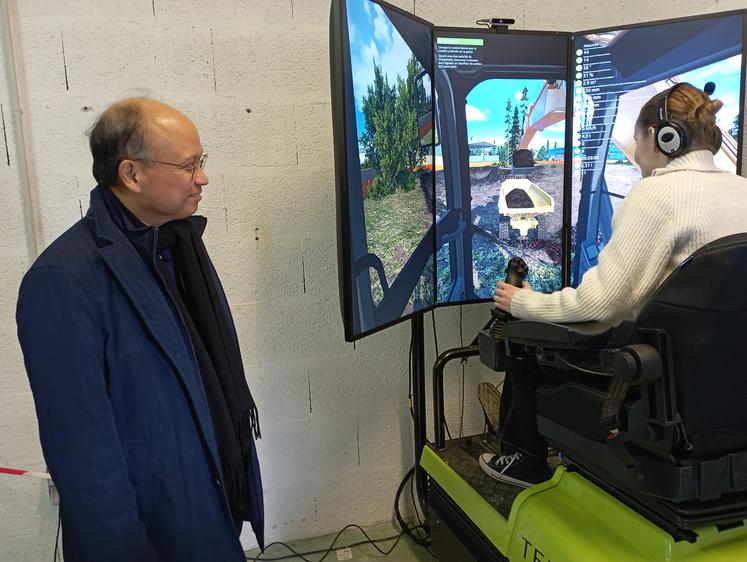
<point x="253" y="75"/>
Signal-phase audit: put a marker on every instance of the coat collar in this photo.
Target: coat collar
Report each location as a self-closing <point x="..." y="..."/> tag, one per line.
<point x="697" y="160"/>
<point x="112" y="219"/>
<point x="120" y="252"/>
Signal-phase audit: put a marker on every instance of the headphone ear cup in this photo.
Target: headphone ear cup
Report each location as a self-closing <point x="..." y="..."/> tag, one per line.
<point x="671" y="138"/>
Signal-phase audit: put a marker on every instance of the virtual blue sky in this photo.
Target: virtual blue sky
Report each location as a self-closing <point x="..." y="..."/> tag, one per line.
<point x="726" y="75"/>
<point x="373" y="38"/>
<point x="486" y="112"/>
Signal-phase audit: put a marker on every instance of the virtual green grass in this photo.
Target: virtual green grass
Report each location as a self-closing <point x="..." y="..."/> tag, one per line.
<point x="395" y="225"/>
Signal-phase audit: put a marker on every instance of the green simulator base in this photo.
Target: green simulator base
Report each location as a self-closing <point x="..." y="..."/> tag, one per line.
<point x="566" y="519"/>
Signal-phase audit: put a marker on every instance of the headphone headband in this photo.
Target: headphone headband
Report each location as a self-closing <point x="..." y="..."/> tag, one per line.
<point x="663" y="109"/>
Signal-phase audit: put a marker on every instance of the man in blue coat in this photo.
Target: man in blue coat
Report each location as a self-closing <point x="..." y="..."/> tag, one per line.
<point x="145" y="418"/>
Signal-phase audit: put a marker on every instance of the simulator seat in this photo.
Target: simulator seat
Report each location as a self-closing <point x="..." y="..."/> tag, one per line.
<point x="666" y="430"/>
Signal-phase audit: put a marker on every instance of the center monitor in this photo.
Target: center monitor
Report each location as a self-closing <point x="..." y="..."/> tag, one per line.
<point x="500" y="159"/>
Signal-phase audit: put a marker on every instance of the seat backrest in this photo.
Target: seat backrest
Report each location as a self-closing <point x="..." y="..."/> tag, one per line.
<point x="703" y="307"/>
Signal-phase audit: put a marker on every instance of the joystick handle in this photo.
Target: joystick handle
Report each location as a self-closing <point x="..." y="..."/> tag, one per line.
<point x="516" y="271"/>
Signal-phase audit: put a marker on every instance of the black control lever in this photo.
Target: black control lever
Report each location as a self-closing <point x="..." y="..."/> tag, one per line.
<point x="516" y="272"/>
<point x="490" y="338"/>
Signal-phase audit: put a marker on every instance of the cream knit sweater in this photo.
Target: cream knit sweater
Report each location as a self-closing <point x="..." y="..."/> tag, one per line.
<point x="663" y="220"/>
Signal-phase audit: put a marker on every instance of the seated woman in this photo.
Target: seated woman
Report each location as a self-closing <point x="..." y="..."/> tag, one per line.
<point x="681" y="204"/>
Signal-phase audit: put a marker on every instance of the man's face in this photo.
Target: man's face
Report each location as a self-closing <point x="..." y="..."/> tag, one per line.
<point x="169" y="192"/>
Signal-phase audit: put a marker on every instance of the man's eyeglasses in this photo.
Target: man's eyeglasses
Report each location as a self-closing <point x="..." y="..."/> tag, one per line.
<point x="192" y="167"/>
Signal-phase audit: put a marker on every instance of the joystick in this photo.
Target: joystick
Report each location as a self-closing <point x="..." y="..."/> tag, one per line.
<point x="491" y="341"/>
<point x="516" y="272"/>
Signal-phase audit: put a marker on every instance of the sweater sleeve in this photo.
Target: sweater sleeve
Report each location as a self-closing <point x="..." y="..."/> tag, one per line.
<point x="629" y="267"/>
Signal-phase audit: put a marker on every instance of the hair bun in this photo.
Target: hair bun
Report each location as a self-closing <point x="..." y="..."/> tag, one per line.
<point x="706" y="111"/>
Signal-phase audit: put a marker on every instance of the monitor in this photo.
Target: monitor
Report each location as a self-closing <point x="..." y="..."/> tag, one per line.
<point x="500" y="164"/>
<point x="615" y="71"/>
<point x="381" y="61"/>
<point x="457" y="149"/>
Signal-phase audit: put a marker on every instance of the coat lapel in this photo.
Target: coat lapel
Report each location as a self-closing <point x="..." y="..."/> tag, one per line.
<point x="150" y="302"/>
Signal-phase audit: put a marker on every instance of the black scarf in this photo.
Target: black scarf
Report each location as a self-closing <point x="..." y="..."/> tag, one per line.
<point x="187" y="274"/>
<point x="190" y="282"/>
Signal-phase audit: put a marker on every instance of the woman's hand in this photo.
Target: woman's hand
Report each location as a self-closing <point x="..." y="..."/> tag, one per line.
<point x="505" y="292"/>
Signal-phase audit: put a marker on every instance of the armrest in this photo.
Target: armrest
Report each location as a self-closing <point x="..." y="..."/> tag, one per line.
<point x="548" y="334"/>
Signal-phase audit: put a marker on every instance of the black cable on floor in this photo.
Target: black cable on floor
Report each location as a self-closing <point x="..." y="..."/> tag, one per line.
<point x="326" y="552"/>
<point x="403" y="525"/>
<point x="462" y="362"/>
<point x="406" y="530"/>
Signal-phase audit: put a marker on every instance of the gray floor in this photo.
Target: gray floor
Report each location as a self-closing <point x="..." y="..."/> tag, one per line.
<point x="405" y="551"/>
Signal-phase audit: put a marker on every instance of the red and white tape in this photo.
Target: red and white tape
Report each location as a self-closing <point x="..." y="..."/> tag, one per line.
<point x="28" y="473"/>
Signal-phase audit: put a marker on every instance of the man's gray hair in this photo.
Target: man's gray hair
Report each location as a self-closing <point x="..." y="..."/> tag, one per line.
<point x="119" y="133"/>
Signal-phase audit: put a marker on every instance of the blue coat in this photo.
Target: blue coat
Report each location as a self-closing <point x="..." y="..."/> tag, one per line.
<point x="123" y="419"/>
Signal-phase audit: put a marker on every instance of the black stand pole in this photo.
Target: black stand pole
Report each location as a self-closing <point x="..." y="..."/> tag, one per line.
<point x="418" y="405"/>
<point x="438" y="388"/>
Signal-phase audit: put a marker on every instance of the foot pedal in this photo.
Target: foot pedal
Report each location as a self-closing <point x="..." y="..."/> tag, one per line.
<point x="490" y="400"/>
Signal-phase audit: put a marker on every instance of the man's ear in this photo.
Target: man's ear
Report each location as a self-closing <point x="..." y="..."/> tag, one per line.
<point x="129" y="176"/>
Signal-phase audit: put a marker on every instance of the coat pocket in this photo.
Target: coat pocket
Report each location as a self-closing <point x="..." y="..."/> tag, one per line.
<point x="136" y="455"/>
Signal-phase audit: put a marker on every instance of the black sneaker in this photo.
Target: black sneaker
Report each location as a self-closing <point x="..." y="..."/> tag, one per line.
<point x="516" y="469"/>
